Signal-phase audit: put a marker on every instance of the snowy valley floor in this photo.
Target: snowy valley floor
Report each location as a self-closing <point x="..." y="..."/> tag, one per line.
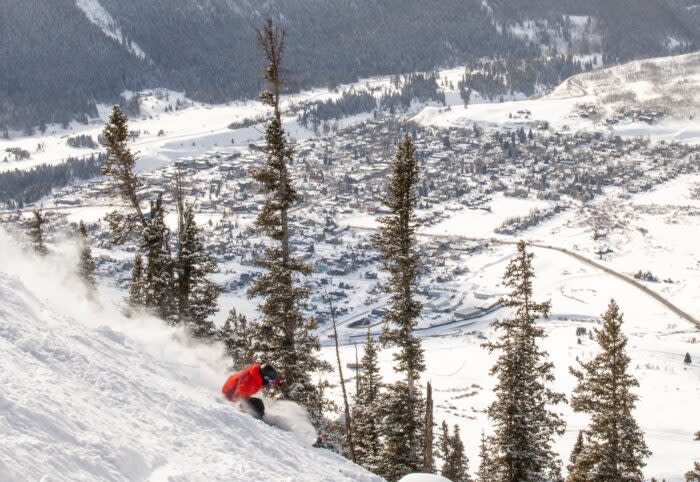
<point x="658" y="340"/>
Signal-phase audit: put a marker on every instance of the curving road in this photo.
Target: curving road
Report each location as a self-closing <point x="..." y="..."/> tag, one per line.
<point x="631" y="281"/>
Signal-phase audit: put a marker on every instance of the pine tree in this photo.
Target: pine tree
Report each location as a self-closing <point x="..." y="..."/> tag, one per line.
<point x="575" y="452"/>
<point x="402" y="419"/>
<point x="455" y="464"/>
<point x="615" y="447"/>
<point x="522" y="414"/>
<point x="396" y="242"/>
<point x="137" y="291"/>
<point x="237" y="337"/>
<point x="159" y="275"/>
<point x="87" y="262"/>
<point x="284" y="336"/>
<point x="154" y="289"/>
<point x="122" y="179"/>
<point x="694" y="474"/>
<point x="35" y="232"/>
<point x="458" y="461"/>
<point x="365" y="415"/>
<point x="196" y="294"/>
<point x="443" y="447"/>
<point x="486" y="472"/>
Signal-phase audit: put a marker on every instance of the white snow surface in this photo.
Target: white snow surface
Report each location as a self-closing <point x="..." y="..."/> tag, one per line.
<point x="97" y="15"/>
<point x="88" y="394"/>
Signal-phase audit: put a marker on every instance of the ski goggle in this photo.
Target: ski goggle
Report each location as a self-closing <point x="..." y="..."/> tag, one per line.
<point x="273" y="383"/>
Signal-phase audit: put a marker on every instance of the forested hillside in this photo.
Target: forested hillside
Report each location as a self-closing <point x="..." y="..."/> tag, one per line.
<point x="58" y="58"/>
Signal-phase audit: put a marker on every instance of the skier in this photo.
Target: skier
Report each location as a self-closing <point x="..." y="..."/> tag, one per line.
<point x="243" y="384"/>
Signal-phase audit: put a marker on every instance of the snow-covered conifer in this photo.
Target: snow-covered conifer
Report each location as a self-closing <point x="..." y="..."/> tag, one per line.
<point x="396" y="242"/>
<point x="237" y="336"/>
<point x="159" y="276"/>
<point x="485" y="473"/>
<point x="87" y="262"/>
<point x="196" y="294"/>
<point x="615" y="447"/>
<point x="365" y="414"/>
<point x="137" y="292"/>
<point x="522" y="414"/>
<point x="283" y="335"/>
<point x="35" y="232"/>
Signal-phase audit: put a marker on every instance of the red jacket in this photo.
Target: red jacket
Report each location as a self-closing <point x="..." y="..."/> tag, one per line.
<point x="244" y="383"/>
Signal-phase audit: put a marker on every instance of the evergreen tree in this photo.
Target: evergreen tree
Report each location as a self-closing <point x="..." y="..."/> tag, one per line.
<point x="122" y="180"/>
<point x="366" y="424"/>
<point x="137" y="291"/>
<point x="35" y="232"/>
<point x="486" y="472"/>
<point x="237" y="337"/>
<point x="402" y="417"/>
<point x="284" y="337"/>
<point x="694" y="474"/>
<point x="396" y="242"/>
<point x="443" y="447"/>
<point x="196" y="294"/>
<point x="575" y="452"/>
<point x="455" y="464"/>
<point x="155" y="287"/>
<point x="458" y="461"/>
<point x="615" y="447"/>
<point x="87" y="262"/>
<point x="159" y="275"/>
<point x="522" y="414"/>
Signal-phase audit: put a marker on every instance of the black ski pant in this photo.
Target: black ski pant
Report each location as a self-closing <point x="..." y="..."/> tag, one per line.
<point x="253" y="406"/>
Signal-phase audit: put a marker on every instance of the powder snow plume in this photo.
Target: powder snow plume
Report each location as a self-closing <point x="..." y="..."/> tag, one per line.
<point x="88" y="394"/>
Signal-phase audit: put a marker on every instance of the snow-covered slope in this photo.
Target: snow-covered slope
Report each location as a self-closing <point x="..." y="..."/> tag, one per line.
<point x="89" y="395"/>
<point x="586" y="101"/>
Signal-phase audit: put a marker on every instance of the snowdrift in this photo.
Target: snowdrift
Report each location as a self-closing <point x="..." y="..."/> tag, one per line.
<point x="86" y="394"/>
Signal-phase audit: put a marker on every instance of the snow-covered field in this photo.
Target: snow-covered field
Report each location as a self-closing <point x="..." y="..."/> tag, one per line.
<point x="90" y="395"/>
<point x="672" y="81"/>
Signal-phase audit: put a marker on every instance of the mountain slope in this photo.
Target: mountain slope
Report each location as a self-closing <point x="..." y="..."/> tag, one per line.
<point x="59" y="57"/>
<point x="89" y="395"/>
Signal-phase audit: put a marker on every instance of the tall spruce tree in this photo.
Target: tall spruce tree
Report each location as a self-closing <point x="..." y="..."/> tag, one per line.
<point x="365" y="414"/>
<point x="575" y="452"/>
<point x="196" y="294"/>
<point x="35" y="232"/>
<point x="396" y="242"/>
<point x="284" y="336"/>
<point x="486" y="472"/>
<point x="455" y="464"/>
<point x="155" y="287"/>
<point x="137" y="290"/>
<point x="402" y="418"/>
<point x="522" y="414"/>
<point x="159" y="277"/>
<point x="238" y="340"/>
<point x="122" y="180"/>
<point x="87" y="262"/>
<point x="615" y="447"/>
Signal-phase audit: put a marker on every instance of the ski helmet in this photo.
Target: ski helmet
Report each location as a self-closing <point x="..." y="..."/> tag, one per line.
<point x="269" y="373"/>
